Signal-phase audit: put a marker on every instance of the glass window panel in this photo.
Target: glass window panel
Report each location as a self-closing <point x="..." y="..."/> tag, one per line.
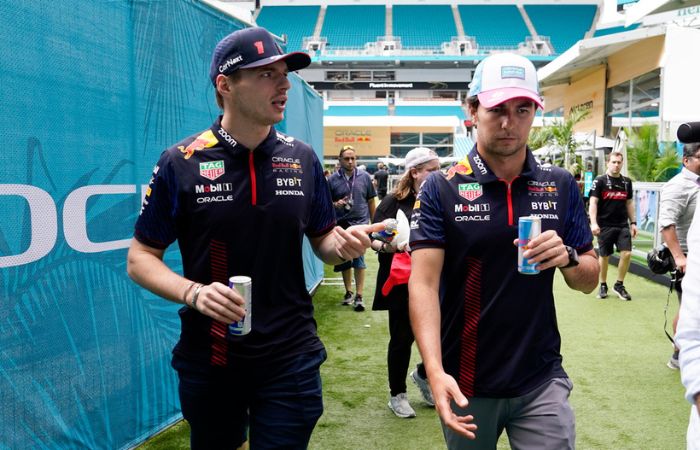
<point x="405" y="138"/>
<point x="619" y="98"/>
<point x="559" y="112"/>
<point x="384" y="75"/>
<point x="448" y="95"/>
<point x="336" y="75"/>
<point x="646" y="88"/>
<point x="443" y="150"/>
<point x="437" y="138"/>
<point x="361" y="75"/>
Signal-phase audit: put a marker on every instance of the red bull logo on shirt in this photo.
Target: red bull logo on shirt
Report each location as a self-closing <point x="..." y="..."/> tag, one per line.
<point x="470" y="191"/>
<point x="204" y="140"/>
<point x="463" y="168"/>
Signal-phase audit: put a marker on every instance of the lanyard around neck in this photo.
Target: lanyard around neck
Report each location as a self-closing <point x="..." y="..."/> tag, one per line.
<point x="347" y="180"/>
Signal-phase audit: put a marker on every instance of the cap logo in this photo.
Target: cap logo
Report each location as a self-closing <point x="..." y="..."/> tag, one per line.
<point x="513" y="72"/>
<point x="260" y="47"/>
<point x="230" y="62"/>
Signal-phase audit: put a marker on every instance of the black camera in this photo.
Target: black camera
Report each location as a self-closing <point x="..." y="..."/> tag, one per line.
<point x="660" y="260"/>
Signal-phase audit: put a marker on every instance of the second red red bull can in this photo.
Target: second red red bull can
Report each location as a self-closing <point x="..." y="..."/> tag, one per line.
<point x="243" y="285"/>
<point x="529" y="227"/>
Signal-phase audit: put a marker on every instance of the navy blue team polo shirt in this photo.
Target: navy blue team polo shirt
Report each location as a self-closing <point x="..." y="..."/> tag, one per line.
<point x="235" y="211"/>
<point x="499" y="328"/>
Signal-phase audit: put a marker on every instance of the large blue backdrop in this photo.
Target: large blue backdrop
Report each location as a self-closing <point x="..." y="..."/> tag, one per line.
<point x="91" y="92"/>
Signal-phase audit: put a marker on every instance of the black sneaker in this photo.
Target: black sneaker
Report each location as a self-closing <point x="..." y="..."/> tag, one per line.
<point x="621" y="292"/>
<point x="603" y="292"/>
<point x="347" y="300"/>
<point x="359" y="306"/>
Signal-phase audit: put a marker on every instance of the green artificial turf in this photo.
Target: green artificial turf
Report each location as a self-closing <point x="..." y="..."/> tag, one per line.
<point x="615" y="352"/>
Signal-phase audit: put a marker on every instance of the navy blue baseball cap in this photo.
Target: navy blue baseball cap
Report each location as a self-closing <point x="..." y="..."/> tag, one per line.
<point x="249" y="48"/>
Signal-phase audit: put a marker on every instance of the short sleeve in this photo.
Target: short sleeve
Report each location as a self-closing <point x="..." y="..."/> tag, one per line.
<point x="371" y="192"/>
<point x="596" y="186"/>
<point x="322" y="217"/>
<point x="578" y="231"/>
<point x="156" y="225"/>
<point x="673" y="203"/>
<point x="427" y="222"/>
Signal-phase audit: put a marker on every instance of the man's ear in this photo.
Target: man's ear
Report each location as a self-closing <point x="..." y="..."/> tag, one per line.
<point x="223" y="84"/>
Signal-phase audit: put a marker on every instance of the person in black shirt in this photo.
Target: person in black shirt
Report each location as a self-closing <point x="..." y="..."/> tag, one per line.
<point x="381" y="179"/>
<point x="239" y="198"/>
<point x="611" y="211"/>
<point x="420" y="162"/>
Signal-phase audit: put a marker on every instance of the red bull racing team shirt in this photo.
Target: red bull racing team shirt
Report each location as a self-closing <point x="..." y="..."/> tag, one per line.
<point x="499" y="328"/>
<point x="234" y="211"/>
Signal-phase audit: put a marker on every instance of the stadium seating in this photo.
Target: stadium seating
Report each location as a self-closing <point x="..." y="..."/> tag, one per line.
<point x="277" y="20"/>
<point x="404" y="110"/>
<point x="494" y="25"/>
<point x="614" y="30"/>
<point x="563" y="24"/>
<point x="423" y="26"/>
<point x="357" y="111"/>
<point x="462" y="145"/>
<point x="353" y="26"/>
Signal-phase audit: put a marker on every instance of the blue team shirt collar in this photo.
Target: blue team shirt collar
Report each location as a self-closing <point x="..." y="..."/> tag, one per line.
<point x="228" y="142"/>
<point x="484" y="174"/>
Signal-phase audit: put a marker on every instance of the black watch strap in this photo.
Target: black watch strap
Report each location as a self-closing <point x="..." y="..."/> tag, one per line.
<point x="573" y="257"/>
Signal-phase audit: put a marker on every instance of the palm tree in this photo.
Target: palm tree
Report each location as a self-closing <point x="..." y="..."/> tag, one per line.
<point x="648" y="160"/>
<point x="560" y="134"/>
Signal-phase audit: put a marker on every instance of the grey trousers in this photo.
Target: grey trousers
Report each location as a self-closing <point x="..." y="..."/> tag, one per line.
<point x="541" y="419"/>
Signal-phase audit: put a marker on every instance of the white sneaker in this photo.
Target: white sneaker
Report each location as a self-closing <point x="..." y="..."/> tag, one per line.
<point x="423" y="387"/>
<point x="673" y="361"/>
<point x="399" y="404"/>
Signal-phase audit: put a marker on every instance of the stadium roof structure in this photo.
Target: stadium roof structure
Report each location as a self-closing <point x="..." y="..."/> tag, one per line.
<point x="591" y="52"/>
<point x="645" y="7"/>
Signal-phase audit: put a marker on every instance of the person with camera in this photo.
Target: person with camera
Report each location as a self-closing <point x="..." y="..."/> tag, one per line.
<point x="611" y="211"/>
<point x="353" y="196"/>
<point x="676" y="209"/>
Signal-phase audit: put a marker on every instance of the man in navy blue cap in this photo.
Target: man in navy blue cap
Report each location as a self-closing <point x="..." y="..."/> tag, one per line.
<point x="238" y="198"/>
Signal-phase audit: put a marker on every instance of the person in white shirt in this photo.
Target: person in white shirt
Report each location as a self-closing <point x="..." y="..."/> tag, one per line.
<point x="677" y="206"/>
<point x="688" y="332"/>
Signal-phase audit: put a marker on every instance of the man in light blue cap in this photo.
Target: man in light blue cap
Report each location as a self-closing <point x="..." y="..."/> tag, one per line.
<point x="487" y="333"/>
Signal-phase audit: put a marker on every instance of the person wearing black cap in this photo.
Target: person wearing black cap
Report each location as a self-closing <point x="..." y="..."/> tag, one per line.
<point x="239" y="198"/>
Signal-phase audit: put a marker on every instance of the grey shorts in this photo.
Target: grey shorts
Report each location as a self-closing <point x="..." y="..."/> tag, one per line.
<point x="539" y="420"/>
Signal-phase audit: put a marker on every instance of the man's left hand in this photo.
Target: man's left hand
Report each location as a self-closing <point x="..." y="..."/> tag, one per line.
<point x="633" y="230"/>
<point x="547" y="250"/>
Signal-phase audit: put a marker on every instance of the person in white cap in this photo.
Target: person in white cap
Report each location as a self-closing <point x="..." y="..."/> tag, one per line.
<point x="393" y="297"/>
<point x="487" y="333"/>
<point x="238" y="198"/>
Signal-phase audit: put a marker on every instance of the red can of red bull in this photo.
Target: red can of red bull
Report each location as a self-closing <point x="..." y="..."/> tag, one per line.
<point x="529" y="227"/>
<point x="243" y="285"/>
